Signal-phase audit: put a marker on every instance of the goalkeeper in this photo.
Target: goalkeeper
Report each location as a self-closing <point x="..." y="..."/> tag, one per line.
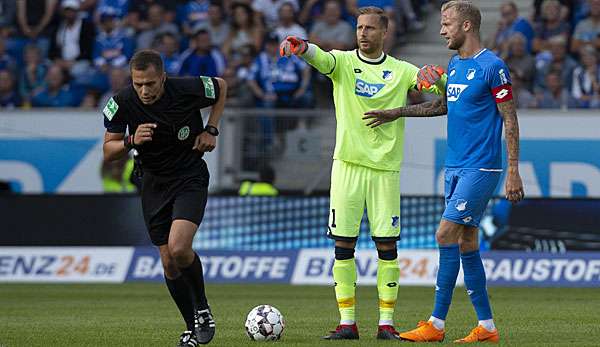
<point x="366" y="165"/>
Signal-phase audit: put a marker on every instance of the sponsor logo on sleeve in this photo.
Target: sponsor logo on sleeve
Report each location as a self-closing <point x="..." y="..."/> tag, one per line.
<point x="110" y="109"/>
<point x="209" y="87"/>
<point x="503" y="78"/>
<point x="502" y="93"/>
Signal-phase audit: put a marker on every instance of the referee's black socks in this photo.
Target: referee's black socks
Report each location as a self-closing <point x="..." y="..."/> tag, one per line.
<point x="181" y="294"/>
<point x="195" y="278"/>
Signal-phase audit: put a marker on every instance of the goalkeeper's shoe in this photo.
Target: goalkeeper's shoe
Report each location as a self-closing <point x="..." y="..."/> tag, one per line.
<point x="425" y="332"/>
<point x="387" y="332"/>
<point x="343" y="332"/>
<point x="187" y="339"/>
<point x="480" y="334"/>
<point x="204" y="326"/>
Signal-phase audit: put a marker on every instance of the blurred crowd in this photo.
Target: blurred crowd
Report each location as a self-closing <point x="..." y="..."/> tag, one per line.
<point x="553" y="55"/>
<point x="75" y="53"/>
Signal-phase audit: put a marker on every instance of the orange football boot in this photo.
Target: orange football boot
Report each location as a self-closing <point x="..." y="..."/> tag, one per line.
<point x="425" y="332"/>
<point x="480" y="334"/>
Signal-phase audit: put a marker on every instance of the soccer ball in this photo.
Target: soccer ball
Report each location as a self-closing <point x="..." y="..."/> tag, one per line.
<point x="264" y="323"/>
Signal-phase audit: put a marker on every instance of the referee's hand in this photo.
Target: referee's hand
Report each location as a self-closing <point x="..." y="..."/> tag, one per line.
<point x="205" y="142"/>
<point x="144" y="133"/>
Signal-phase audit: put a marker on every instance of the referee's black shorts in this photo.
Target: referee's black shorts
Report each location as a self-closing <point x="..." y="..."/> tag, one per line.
<point x="165" y="199"/>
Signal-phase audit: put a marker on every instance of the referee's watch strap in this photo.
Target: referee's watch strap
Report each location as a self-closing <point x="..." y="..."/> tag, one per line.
<point x="214" y="131"/>
<point x="128" y="141"/>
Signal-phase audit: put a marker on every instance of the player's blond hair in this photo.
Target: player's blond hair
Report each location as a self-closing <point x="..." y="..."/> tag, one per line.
<point x="383" y="19"/>
<point x="466" y="11"/>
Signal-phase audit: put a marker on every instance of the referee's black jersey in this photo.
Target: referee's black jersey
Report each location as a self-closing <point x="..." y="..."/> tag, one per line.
<point x="178" y="119"/>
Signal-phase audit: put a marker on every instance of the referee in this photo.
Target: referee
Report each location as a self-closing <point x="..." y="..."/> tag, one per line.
<point x="162" y="117"/>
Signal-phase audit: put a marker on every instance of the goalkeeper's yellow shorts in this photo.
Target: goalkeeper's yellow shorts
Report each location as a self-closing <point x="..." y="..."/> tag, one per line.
<point x="354" y="186"/>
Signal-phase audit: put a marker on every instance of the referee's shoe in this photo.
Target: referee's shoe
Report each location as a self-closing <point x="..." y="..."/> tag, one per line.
<point x="205" y="326"/>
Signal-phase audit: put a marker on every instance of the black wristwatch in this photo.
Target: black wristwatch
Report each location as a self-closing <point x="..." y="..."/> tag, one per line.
<point x="128" y="141"/>
<point x="211" y="130"/>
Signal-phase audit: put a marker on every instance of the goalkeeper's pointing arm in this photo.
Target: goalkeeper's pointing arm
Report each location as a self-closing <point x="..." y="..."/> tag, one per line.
<point x="323" y="61"/>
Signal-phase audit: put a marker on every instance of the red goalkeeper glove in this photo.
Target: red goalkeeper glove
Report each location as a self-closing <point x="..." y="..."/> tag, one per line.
<point x="292" y="45"/>
<point x="428" y="76"/>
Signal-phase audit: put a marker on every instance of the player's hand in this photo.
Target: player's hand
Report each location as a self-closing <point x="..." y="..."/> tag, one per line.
<point x="205" y="142"/>
<point x="144" y="133"/>
<point x="292" y="45"/>
<point x="378" y="117"/>
<point x="514" y="186"/>
<point x="429" y="75"/>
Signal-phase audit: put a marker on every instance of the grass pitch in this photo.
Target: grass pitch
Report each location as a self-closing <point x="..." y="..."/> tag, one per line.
<point x="142" y="314"/>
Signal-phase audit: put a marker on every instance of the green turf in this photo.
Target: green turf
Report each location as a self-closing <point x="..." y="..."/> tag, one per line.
<point x="139" y="314"/>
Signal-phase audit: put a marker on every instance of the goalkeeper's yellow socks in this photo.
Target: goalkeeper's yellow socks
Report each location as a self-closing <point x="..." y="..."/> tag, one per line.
<point x="344" y="275"/>
<point x="388" y="274"/>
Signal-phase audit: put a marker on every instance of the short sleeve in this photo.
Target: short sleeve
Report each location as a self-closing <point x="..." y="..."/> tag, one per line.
<point x="209" y="92"/>
<point x="411" y="73"/>
<point x="497" y="74"/>
<point x="204" y="90"/>
<point x="114" y="119"/>
<point x="498" y="79"/>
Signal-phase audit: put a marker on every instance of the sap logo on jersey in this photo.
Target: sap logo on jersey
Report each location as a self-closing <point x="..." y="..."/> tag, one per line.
<point x="454" y="91"/>
<point x="366" y="89"/>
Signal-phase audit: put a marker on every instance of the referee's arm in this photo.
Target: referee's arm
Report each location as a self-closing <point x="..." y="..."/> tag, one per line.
<point x="217" y="109"/>
<point x="114" y="146"/>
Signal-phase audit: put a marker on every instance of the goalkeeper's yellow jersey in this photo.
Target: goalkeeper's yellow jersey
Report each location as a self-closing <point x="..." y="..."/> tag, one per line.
<point x="359" y="86"/>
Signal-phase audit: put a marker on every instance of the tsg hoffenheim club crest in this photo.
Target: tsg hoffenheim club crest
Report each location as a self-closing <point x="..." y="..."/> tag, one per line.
<point x="387" y="75"/>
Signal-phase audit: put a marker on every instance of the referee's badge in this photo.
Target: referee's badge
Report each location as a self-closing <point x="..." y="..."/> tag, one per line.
<point x="183" y="133"/>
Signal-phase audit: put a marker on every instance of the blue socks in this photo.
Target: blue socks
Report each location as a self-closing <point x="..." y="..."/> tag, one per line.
<point x="446" y="279"/>
<point x="475" y="284"/>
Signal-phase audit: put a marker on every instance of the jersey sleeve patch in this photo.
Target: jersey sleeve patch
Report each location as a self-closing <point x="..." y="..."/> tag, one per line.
<point x="110" y="109"/>
<point x="209" y="87"/>
<point x="502" y="93"/>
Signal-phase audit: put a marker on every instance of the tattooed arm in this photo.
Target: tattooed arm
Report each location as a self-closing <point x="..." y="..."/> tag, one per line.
<point x="514" y="185"/>
<point x="433" y="108"/>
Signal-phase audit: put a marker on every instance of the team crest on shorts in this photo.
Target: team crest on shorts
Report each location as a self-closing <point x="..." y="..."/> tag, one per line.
<point x="395" y="221"/>
<point x="183" y="133"/>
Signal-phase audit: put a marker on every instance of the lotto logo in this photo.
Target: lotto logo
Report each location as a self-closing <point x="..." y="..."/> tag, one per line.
<point x="501" y="94"/>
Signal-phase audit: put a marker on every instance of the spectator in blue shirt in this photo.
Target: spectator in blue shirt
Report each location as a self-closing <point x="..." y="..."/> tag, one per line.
<point x="56" y="93"/>
<point x="8" y="96"/>
<point x="113" y="47"/>
<point x="511" y="23"/>
<point x="194" y="12"/>
<point x="550" y="26"/>
<point x="168" y="46"/>
<point x="279" y="81"/>
<point x="6" y="61"/>
<point x="201" y="59"/>
<point x="33" y="73"/>
<point x="120" y="8"/>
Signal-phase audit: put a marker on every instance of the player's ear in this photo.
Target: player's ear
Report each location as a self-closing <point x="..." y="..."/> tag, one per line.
<point x="467" y="26"/>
